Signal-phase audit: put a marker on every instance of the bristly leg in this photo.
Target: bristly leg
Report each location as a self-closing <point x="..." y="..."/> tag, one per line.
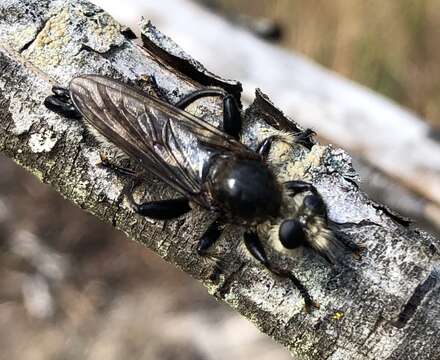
<point x="255" y="247"/>
<point x="303" y="138"/>
<point x="232" y="122"/>
<point x="61" y="103"/>
<point x="159" y="210"/>
<point x="264" y="147"/>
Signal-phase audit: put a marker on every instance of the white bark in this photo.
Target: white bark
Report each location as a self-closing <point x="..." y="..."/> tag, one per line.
<point x="384" y="306"/>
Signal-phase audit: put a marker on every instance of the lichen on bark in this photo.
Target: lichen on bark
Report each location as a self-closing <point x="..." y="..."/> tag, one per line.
<point x="384" y="305"/>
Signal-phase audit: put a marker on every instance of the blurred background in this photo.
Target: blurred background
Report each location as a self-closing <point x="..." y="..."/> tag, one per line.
<point x="73" y="288"/>
<point x="391" y="46"/>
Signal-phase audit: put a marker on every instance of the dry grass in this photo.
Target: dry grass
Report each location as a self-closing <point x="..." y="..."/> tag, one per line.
<point x="389" y="46"/>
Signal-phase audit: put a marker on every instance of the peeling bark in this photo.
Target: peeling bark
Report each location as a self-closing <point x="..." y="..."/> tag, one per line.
<point x="384" y="306"/>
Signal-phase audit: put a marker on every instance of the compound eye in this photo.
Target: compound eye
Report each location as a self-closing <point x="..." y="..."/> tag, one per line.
<point x="292" y="234"/>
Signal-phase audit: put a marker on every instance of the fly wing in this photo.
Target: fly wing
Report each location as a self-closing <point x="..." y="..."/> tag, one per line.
<point x="169" y="142"/>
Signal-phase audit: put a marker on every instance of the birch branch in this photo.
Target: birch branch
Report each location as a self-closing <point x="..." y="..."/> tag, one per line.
<point x="384" y="306"/>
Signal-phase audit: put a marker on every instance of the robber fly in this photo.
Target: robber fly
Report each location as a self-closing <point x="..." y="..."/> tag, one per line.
<point x="207" y="166"/>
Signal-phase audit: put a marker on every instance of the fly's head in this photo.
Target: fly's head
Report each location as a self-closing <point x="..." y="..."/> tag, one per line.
<point x="302" y="223"/>
<point x="303" y="217"/>
<point x="246" y="189"/>
<point x="302" y="220"/>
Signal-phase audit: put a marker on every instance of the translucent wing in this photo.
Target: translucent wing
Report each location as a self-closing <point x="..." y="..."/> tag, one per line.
<point x="169" y="142"/>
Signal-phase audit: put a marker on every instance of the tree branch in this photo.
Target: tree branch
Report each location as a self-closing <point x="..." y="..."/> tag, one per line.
<point x="385" y="305"/>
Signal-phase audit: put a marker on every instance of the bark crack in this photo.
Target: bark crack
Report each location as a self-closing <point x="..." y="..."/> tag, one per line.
<point x="225" y="286"/>
<point x="40" y="29"/>
<point x="419" y="294"/>
<point x="75" y="158"/>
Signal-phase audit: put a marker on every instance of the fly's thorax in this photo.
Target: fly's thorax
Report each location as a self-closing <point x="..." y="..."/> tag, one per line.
<point x="245" y="189"/>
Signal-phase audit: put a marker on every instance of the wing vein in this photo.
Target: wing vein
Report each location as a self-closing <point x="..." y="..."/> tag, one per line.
<point x="154" y="133"/>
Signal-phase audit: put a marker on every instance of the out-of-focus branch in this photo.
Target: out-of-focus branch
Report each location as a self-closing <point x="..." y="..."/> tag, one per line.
<point x="385" y="305"/>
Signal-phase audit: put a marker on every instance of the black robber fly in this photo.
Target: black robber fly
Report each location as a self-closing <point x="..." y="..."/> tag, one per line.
<point x="207" y="166"/>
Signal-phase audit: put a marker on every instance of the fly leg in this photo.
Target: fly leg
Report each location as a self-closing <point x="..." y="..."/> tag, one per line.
<point x="264" y="147"/>
<point x="122" y="171"/>
<point x="231" y="111"/>
<point x="305" y="138"/>
<point x="135" y="176"/>
<point x="210" y="236"/>
<point x="314" y="202"/>
<point x="162" y="209"/>
<point x="159" y="210"/>
<point x="207" y="240"/>
<point x="299" y="186"/>
<point x="231" y="117"/>
<point x="302" y="138"/>
<point x="61" y="103"/>
<point x="255" y="247"/>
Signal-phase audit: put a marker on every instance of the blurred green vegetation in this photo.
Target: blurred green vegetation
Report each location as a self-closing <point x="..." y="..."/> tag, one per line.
<point x="390" y="46"/>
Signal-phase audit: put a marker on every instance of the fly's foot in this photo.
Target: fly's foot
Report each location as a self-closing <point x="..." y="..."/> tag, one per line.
<point x="309" y="303"/>
<point x="305" y="138"/>
<point x="61" y="103"/>
<point x="153" y="87"/>
<point x="357" y="251"/>
<point x="122" y="171"/>
<point x="103" y="161"/>
<point x="309" y="306"/>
